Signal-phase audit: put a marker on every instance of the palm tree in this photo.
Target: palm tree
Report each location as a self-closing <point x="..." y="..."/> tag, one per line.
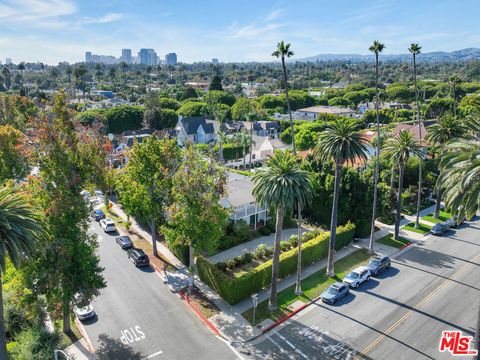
<point x="6" y="74"/>
<point x="280" y="185"/>
<point x="341" y="142"/>
<point x="459" y="173"/>
<point x="446" y="129"/>
<point x="69" y="72"/>
<point x="20" y="227"/>
<point x="283" y="51"/>
<point x="79" y="72"/>
<point x="454" y="81"/>
<point x="377" y="47"/>
<point x="399" y="148"/>
<point x="415" y="50"/>
<point x="244" y="140"/>
<point x="222" y="138"/>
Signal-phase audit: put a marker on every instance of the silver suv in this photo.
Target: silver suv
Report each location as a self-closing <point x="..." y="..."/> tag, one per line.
<point x="356" y="277"/>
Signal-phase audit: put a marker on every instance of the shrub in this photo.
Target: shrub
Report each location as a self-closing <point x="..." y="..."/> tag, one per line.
<point x="247" y="257"/>
<point x="222" y="266"/>
<point x="35" y="343"/>
<point x="261" y="251"/>
<point x="284" y="246"/>
<point x="264" y="231"/>
<point x="293" y="241"/>
<point x="240" y="286"/>
<point x="230" y="264"/>
<point x="238" y="260"/>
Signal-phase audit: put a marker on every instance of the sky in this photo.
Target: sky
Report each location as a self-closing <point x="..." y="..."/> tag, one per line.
<point x="247" y="30"/>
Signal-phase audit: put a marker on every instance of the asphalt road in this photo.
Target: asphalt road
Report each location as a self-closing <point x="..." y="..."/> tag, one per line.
<point x="432" y="287"/>
<point x="139" y="318"/>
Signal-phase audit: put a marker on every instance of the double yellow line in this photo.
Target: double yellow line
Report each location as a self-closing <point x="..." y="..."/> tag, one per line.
<point x="411" y="311"/>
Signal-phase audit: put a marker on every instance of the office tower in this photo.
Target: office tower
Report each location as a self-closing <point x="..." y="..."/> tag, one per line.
<point x="127" y="55"/>
<point x="88" y="56"/>
<point x="215" y="61"/>
<point x="147" y="57"/>
<point x="8" y="61"/>
<point x="171" y="59"/>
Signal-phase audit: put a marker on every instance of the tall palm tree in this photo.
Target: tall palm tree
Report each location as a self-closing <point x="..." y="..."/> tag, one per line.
<point x="222" y="138"/>
<point x="6" y="74"/>
<point x="377" y="47"/>
<point x="69" y="72"/>
<point x="446" y="129"/>
<point x="415" y="50"/>
<point x="244" y="140"/>
<point x="280" y="185"/>
<point x="341" y="142"/>
<point x="399" y="148"/>
<point x="283" y="51"/>
<point x="20" y="227"/>
<point x="454" y="81"/>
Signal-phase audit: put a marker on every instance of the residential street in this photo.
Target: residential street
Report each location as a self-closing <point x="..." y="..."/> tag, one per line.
<point x="139" y="318"/>
<point x="431" y="287"/>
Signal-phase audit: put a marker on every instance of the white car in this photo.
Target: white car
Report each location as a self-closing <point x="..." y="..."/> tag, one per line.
<point x="356" y="277"/>
<point x="84" y="312"/>
<point x="108" y="225"/>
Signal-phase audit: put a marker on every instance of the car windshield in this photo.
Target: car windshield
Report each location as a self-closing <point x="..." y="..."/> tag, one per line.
<point x="375" y="262"/>
<point x="353" y="275"/>
<point x="438" y="226"/>
<point x="332" y="291"/>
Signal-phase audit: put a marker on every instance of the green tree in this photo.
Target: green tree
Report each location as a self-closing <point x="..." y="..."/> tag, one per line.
<point x="281" y="185"/>
<point x="400" y="92"/>
<point x="454" y="82"/>
<point x="196" y="218"/>
<point x="145" y="186"/>
<point x="216" y="83"/>
<point x="20" y="228"/>
<point x="399" y="148"/>
<point x="343" y="143"/>
<point x="13" y="154"/>
<point x="79" y="72"/>
<point x="191" y="108"/>
<point x="415" y="50"/>
<point x="69" y="159"/>
<point x="8" y="77"/>
<point x="377" y="47"/>
<point x="124" y="117"/>
<point x="438" y="134"/>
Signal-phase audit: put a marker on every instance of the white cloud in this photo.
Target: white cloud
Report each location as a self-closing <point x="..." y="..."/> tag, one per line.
<point x="105" y="19"/>
<point x="31" y="10"/>
<point x="274" y="15"/>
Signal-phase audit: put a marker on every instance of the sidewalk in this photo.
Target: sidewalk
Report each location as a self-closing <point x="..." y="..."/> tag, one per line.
<point x="78" y="351"/>
<point x="252" y="245"/>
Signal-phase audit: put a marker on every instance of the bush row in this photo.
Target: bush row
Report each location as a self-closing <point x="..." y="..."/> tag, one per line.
<point x="236" y="288"/>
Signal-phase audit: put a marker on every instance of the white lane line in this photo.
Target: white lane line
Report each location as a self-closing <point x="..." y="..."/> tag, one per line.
<point x="154" y="354"/>
<point x="292" y="346"/>
<point x="282" y="350"/>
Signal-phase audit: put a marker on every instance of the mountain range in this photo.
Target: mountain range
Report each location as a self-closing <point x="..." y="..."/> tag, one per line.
<point x="435" y="56"/>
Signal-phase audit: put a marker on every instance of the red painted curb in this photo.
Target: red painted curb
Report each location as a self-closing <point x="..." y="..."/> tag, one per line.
<point x="82" y="331"/>
<point x="288" y="316"/>
<point x="205" y="320"/>
<point x="406" y="245"/>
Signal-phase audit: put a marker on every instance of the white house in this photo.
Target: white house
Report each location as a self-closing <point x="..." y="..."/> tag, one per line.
<point x="195" y="130"/>
<point x="264" y="146"/>
<point x="263" y="128"/>
<point x="311" y="113"/>
<point x="240" y="201"/>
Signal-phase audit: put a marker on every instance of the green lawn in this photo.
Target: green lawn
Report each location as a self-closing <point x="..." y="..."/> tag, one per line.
<point x="390" y="241"/>
<point x="118" y="220"/>
<point x="423" y="228"/>
<point x="443" y="216"/>
<point x="312" y="287"/>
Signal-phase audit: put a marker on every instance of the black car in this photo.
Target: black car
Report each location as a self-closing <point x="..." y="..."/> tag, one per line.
<point x="439" y="229"/>
<point x="138" y="257"/>
<point x="378" y="265"/>
<point x="124" y="242"/>
<point x="98" y="215"/>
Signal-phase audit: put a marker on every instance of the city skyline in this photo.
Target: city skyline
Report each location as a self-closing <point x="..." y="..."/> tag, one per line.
<point x="51" y="31"/>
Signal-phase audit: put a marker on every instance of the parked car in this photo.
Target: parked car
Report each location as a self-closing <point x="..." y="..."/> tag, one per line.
<point x="453" y="223"/>
<point x="357" y="277"/>
<point x="98" y="215"/>
<point x="334" y="292"/>
<point x="124" y="242"/>
<point x="108" y="225"/>
<point x="85" y="312"/>
<point x="439" y="229"/>
<point x="377" y="265"/>
<point x="138" y="257"/>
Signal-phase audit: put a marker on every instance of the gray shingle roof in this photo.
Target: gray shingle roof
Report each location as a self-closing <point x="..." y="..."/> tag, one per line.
<point x="191" y="125"/>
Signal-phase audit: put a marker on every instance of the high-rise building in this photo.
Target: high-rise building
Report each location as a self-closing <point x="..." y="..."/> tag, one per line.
<point x="215" y="61"/>
<point x="171" y="59"/>
<point x="127" y="55"/>
<point x="147" y="57"/>
<point x="88" y="56"/>
<point x="8" y="61"/>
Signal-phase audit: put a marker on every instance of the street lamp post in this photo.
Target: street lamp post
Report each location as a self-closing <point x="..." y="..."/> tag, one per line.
<point x="255" y="303"/>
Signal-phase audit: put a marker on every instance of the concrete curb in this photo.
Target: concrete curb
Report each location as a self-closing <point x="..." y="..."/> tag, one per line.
<point x="83" y="332"/>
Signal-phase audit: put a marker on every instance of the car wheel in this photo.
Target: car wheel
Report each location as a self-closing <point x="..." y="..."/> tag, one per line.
<point x="334" y="301"/>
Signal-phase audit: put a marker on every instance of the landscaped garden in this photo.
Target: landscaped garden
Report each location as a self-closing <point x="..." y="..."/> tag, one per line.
<point x="390" y="241"/>
<point x="422" y="228"/>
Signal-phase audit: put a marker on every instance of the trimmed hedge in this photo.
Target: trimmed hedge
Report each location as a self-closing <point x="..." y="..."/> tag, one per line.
<point x="239" y="287"/>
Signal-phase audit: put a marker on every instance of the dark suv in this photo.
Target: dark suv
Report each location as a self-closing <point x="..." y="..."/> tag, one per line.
<point x="378" y="265"/>
<point x="124" y="242"/>
<point x="98" y="215"/>
<point x="138" y="257"/>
